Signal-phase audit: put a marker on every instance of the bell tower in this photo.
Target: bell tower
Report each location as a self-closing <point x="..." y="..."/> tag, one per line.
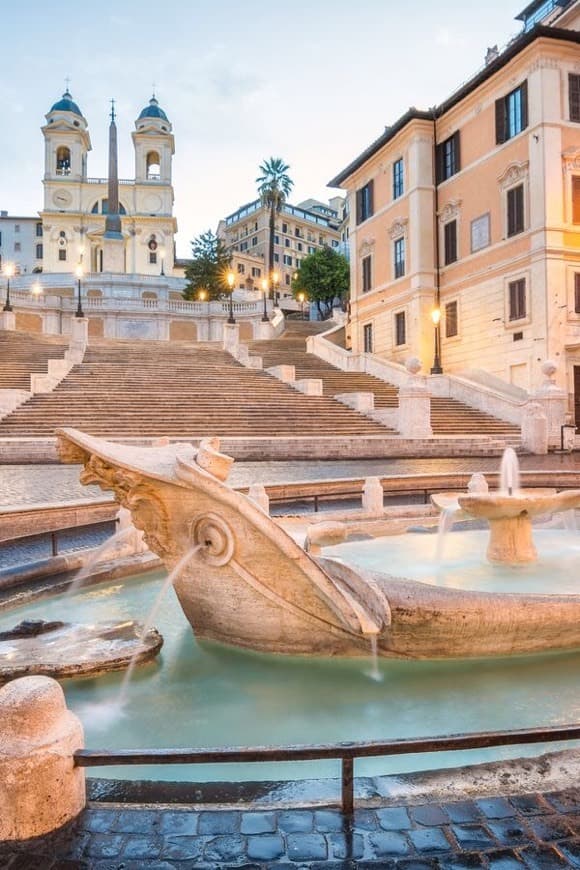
<point x="154" y="145"/>
<point x="66" y="145"/>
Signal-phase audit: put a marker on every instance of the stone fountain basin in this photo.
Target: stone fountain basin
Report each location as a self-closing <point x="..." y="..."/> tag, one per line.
<point x="60" y="649"/>
<point x="497" y="506"/>
<point x="450" y="500"/>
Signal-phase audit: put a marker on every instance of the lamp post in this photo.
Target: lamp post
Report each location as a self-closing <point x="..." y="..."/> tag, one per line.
<point x="265" y="317"/>
<point x="162" y="258"/>
<point x="36" y="290"/>
<point x="436" y="368"/>
<point x="231" y="279"/>
<point x="79" y="273"/>
<point x="9" y="272"/>
<point x="275" y="283"/>
<point x="301" y="298"/>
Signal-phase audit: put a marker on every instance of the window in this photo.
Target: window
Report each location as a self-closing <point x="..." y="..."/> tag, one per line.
<point x="287" y="260"/>
<point x="368" y="337"/>
<point x="153" y="166"/>
<point x="241" y="269"/>
<point x="574" y="96"/>
<point x="511" y="114"/>
<point x="400" y="328"/>
<point x="39" y="230"/>
<point x="515" y="210"/>
<point x="287" y="279"/>
<point x="62" y="254"/>
<point x="16" y="228"/>
<point x="577" y="292"/>
<point x="63" y="160"/>
<point x="311" y="249"/>
<point x="398" y="184"/>
<point x="366" y="274"/>
<point x="254" y="241"/>
<point x="480" y="233"/>
<point x="284" y="228"/>
<point x="364" y="203"/>
<point x="256" y="273"/>
<point x="17" y="246"/>
<point x="276" y="258"/>
<point x="152" y="256"/>
<point x="286" y="243"/>
<point x="517" y="299"/>
<point x="450" y="240"/>
<point x="276" y="240"/>
<point x="243" y="246"/>
<point x="399" y="257"/>
<point x="447" y="158"/>
<point x="451" y="325"/>
<point x="39" y="252"/>
<point x="576" y="199"/>
<point x="299" y="246"/>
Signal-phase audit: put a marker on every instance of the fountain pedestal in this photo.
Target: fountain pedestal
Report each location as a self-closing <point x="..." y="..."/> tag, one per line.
<point x="510" y="540"/>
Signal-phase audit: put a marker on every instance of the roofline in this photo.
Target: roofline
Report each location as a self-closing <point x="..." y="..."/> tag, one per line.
<point x="521" y="42"/>
<point x="536" y="4"/>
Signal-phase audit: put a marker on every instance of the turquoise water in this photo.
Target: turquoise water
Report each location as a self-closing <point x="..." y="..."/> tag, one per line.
<point x="209" y="695"/>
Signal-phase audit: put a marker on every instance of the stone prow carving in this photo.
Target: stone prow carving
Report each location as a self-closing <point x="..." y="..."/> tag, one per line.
<point x="247" y="583"/>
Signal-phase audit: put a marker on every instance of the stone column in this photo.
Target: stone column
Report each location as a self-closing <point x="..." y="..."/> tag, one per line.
<point x="535" y="429"/>
<point x="8" y="320"/>
<point x="79" y="339"/>
<point x="414" y="404"/>
<point x="40" y="788"/>
<point x="231" y="337"/>
<point x="372" y="498"/>
<point x="553" y="401"/>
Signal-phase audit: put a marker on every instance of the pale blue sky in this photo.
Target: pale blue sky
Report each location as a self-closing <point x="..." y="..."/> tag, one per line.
<point x="311" y="81"/>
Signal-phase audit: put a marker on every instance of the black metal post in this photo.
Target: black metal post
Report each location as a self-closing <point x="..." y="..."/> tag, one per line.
<point x="436" y="368"/>
<point x="79" y="311"/>
<point x="302" y="309"/>
<point x="7" y="305"/>
<point x="265" y="314"/>
<point x="231" y="318"/>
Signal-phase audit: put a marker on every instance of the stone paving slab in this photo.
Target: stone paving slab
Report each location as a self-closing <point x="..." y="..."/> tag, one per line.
<point x="526" y="832"/>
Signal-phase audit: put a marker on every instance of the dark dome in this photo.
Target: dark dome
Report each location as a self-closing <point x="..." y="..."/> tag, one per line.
<point x="153" y="111"/>
<point x="66" y="104"/>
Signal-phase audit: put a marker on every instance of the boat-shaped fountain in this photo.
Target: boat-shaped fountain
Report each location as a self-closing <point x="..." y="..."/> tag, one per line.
<point x="249" y="584"/>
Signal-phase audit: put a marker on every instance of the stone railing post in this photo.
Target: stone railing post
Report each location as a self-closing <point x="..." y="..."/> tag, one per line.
<point x="372" y="497"/>
<point x="8" y="320"/>
<point x="553" y="401"/>
<point x="231" y="338"/>
<point x="414" y="404"/>
<point x="40" y="788"/>
<point x="79" y="339"/>
<point x="258" y="494"/>
<point x="535" y="429"/>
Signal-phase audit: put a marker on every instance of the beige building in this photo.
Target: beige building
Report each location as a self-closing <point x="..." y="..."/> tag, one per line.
<point x="300" y="230"/>
<point x="472" y="209"/>
<point x="76" y="205"/>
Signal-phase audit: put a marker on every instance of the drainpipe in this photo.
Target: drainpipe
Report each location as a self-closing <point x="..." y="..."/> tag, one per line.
<point x="436" y="368"/>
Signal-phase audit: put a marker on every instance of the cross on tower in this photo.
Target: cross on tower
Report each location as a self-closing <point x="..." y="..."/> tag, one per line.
<point x="67" y="82"/>
<point x="112" y="110"/>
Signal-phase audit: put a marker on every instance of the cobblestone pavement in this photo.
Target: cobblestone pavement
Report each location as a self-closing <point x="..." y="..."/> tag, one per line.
<point x="534" y="831"/>
<point x="42" y="484"/>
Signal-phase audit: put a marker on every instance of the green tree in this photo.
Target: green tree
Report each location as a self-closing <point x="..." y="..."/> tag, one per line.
<point x="208" y="268"/>
<point x="322" y="277"/>
<point x="274" y="186"/>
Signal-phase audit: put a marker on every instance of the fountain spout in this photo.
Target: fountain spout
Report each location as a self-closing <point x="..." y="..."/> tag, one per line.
<point x="509" y="472"/>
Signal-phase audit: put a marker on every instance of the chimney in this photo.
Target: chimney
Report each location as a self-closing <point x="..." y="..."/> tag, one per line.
<point x="491" y="54"/>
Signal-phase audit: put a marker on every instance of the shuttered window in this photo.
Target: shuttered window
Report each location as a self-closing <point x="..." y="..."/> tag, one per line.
<point x="448" y="158"/>
<point x="517" y="299"/>
<point x="450" y="239"/>
<point x="511" y="114"/>
<point x="574" y="96"/>
<point x="577" y="292"/>
<point x="366" y="274"/>
<point x="399" y="257"/>
<point x="368" y="337"/>
<point x="515" y="210"/>
<point x="364" y="202"/>
<point x="400" y="328"/>
<point x="576" y="199"/>
<point x="451" y="324"/>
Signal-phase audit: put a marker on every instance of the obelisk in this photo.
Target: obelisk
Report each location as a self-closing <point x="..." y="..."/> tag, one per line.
<point x="113" y="241"/>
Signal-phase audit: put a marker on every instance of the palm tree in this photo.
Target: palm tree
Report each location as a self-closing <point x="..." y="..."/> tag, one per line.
<point x="274" y="185"/>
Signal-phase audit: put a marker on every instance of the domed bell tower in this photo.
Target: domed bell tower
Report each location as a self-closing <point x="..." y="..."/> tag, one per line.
<point x="66" y="145"/>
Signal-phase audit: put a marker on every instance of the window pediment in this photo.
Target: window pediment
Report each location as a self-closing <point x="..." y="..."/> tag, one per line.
<point x="398" y="228"/>
<point x="450" y="210"/>
<point x="513" y="173"/>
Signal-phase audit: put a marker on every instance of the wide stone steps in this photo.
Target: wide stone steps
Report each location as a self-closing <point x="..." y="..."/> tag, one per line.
<point x="448" y="416"/>
<point x="22" y="354"/>
<point x="147" y="389"/>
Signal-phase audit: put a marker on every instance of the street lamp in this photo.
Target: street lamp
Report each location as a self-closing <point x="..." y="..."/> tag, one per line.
<point x="436" y="368"/>
<point x="265" y="317"/>
<point x="275" y="283"/>
<point x="301" y="298"/>
<point x="36" y="290"/>
<point x="9" y="272"/>
<point x="162" y="258"/>
<point x="231" y="279"/>
<point x="79" y="273"/>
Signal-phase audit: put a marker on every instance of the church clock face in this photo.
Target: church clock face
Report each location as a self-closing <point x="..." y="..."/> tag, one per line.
<point x="62" y="198"/>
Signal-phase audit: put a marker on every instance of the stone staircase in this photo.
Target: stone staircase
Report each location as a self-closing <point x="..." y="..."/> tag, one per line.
<point x="448" y="416"/>
<point x="23" y="354"/>
<point x="147" y="389"/>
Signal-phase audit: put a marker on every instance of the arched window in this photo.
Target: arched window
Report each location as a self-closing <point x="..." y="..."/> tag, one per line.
<point x="63" y="160"/>
<point x="102" y="207"/>
<point x="153" y="164"/>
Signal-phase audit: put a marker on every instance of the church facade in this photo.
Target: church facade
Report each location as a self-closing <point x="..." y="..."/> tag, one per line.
<point x="76" y="205"/>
